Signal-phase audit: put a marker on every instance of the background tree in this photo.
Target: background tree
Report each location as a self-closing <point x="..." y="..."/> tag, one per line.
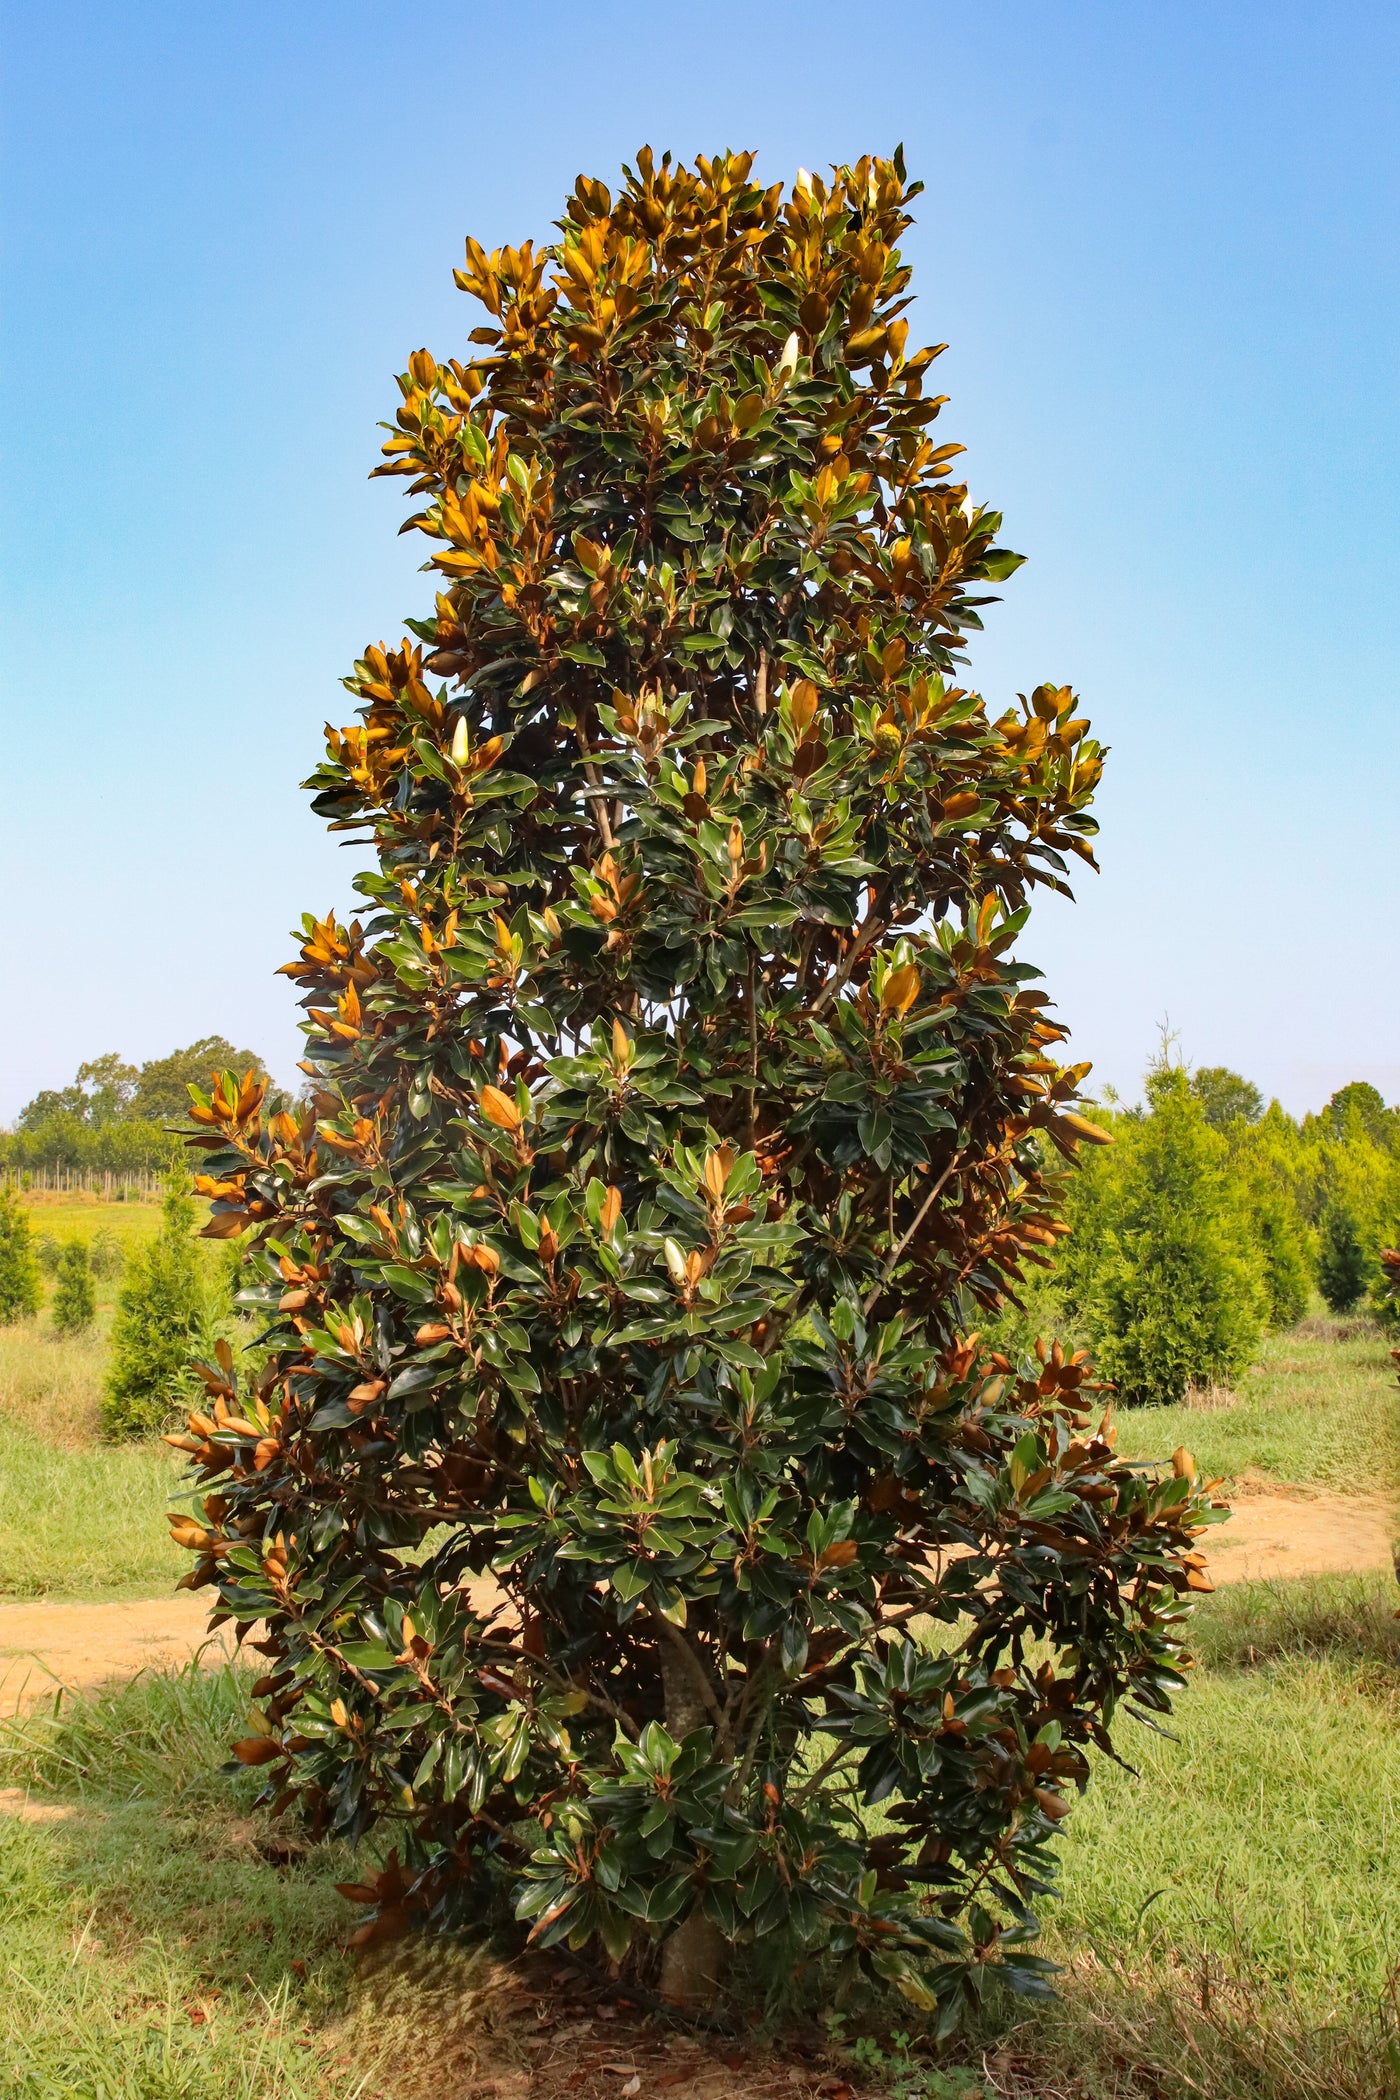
<point x="163" y="1304"/>
<point x="1225" y="1096"/>
<point x="74" y="1304"/>
<point x="20" y="1288"/>
<point x="1162" y="1264"/>
<point x="106" y="1254"/>
<point x="116" y="1117"/>
<point x="1342" y="1267"/>
<point x="676" y="1113"/>
<point x="1283" y="1247"/>
<point x="1365" y="1105"/>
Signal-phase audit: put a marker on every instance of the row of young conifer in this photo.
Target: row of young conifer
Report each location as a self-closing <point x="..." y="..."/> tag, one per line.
<point x="1212" y="1220"/>
<point x="174" y="1303"/>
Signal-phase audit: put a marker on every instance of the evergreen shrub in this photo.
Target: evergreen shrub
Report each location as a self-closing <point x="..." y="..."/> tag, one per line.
<point x="1163" y="1264"/>
<point x="20" y="1286"/>
<point x="160" y="1309"/>
<point x="74" y="1306"/>
<point x="676" y="1116"/>
<point x="1343" y="1270"/>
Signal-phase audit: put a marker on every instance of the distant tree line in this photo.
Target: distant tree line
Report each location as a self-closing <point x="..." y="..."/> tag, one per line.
<point x="1212" y="1219"/>
<point x="116" y="1118"/>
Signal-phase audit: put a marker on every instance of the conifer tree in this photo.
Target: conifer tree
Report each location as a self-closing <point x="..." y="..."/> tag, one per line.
<point x="159" y="1310"/>
<point x="75" y="1293"/>
<point x="1164" y="1263"/>
<point x="20" y="1288"/>
<point x="1342" y="1267"/>
<point x="676" y="1115"/>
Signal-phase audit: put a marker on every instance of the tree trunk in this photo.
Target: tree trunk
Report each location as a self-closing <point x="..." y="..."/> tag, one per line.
<point x="693" y="1959"/>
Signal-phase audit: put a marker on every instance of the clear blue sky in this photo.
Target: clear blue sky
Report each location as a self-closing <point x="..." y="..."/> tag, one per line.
<point x="1162" y="241"/>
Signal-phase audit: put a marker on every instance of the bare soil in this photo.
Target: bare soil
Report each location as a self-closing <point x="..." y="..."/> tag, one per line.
<point x="1276" y="1531"/>
<point x="48" y="1645"/>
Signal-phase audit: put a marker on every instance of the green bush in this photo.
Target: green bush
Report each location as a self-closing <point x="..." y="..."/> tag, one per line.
<point x="1162" y="1265"/>
<point x="20" y="1289"/>
<point x="675" y="1115"/>
<point x="162" y="1304"/>
<point x="75" y="1294"/>
<point x="1343" y="1270"/>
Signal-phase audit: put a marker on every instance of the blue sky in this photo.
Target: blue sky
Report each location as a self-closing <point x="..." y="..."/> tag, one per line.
<point x="1162" y="242"/>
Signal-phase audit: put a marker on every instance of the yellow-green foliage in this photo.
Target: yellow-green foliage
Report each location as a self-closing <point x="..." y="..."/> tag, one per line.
<point x="166" y="1301"/>
<point x="1163" y="1264"/>
<point x="1262" y="1203"/>
<point x="19" y="1268"/>
<point x="74" y="1304"/>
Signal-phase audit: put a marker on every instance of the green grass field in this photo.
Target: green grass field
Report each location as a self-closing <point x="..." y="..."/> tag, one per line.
<point x="69" y="1217"/>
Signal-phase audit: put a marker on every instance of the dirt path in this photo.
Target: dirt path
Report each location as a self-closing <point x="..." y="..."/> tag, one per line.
<point x="1271" y="1532"/>
<point x="46" y="1644"/>
<point x="1277" y="1532"/>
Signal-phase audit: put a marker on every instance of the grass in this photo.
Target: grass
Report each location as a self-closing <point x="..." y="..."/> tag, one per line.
<point x="68" y="1217"/>
<point x="78" y="1518"/>
<point x="85" y="1523"/>
<point x="51" y="1385"/>
<point x="1229" y="1918"/>
<point x="148" y="1949"/>
<point x="1316" y="1411"/>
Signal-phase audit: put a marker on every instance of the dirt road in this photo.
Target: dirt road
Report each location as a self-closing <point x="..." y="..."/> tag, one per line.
<point x="50" y="1643"/>
<point x="44" y="1645"/>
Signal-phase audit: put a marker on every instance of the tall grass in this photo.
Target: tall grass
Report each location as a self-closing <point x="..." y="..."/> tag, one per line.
<point x="51" y="1384"/>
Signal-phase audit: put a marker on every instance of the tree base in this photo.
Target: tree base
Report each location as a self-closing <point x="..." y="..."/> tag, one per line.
<point x="693" y="1962"/>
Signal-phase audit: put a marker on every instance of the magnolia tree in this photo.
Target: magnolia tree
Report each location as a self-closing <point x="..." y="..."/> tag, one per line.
<point x="631" y="1515"/>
